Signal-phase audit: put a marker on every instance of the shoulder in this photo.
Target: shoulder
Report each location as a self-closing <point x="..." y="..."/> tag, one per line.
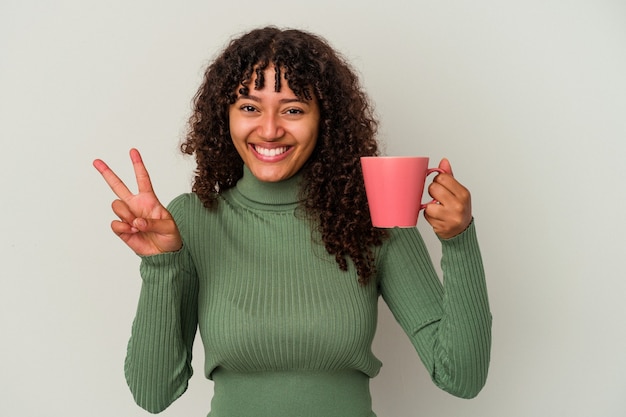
<point x="401" y="243"/>
<point x="402" y="237"/>
<point x="187" y="208"/>
<point x="182" y="203"/>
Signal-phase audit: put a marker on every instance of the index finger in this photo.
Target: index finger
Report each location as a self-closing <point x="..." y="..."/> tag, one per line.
<point x="117" y="185"/>
<point x="141" y="173"/>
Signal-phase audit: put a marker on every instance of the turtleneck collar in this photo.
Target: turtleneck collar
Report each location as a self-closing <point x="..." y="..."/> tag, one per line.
<point x="282" y="195"/>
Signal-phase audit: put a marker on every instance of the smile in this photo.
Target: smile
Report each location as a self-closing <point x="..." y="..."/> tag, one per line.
<point x="270" y="153"/>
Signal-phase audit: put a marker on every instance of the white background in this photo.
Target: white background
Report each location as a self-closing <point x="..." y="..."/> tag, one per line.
<point x="526" y="98"/>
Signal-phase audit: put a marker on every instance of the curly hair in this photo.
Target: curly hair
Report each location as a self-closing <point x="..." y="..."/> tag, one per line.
<point x="332" y="194"/>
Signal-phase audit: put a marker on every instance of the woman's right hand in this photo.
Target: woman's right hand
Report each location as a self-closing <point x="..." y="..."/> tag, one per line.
<point x="144" y="223"/>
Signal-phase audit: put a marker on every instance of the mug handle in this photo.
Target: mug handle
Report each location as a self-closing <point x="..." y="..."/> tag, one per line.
<point x="430" y="171"/>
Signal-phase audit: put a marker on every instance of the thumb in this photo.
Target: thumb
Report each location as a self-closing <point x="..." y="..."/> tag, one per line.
<point x="445" y="165"/>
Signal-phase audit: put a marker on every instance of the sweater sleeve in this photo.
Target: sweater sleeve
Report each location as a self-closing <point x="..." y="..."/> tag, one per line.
<point x="158" y="359"/>
<point x="449" y="324"/>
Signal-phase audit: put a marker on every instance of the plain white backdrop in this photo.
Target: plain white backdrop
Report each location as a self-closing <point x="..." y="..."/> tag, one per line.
<point x="526" y="98"/>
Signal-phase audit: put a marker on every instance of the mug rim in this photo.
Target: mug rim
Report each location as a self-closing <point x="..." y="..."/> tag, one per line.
<point x="393" y="157"/>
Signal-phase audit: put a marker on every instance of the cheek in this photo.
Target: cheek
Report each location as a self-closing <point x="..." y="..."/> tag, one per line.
<point x="236" y="131"/>
<point x="233" y="121"/>
<point x="309" y="148"/>
<point x="314" y="138"/>
<point x="310" y="134"/>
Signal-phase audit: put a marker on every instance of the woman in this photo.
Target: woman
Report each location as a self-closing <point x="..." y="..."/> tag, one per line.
<point x="273" y="256"/>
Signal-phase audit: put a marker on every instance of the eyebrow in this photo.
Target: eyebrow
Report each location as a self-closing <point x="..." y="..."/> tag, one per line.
<point x="282" y="101"/>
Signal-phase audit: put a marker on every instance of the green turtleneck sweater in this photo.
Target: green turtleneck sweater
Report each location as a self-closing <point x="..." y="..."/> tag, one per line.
<point x="287" y="333"/>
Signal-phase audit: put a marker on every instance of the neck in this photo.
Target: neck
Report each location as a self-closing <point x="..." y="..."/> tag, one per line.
<point x="278" y="194"/>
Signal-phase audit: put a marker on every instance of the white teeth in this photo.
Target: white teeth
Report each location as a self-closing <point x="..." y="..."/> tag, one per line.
<point x="271" y="152"/>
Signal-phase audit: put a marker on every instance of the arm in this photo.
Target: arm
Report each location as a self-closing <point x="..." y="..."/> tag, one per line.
<point x="450" y="324"/>
<point x="158" y="361"/>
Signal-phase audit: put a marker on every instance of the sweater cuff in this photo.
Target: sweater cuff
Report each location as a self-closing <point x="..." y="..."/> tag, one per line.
<point x="164" y="267"/>
<point x="462" y="258"/>
<point x="468" y="233"/>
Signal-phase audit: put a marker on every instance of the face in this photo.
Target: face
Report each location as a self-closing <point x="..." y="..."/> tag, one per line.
<point x="274" y="132"/>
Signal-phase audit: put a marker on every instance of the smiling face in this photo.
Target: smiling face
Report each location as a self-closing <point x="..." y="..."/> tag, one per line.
<point x="274" y="132"/>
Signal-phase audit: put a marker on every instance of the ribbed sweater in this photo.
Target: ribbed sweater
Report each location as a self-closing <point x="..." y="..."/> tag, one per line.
<point x="286" y="333"/>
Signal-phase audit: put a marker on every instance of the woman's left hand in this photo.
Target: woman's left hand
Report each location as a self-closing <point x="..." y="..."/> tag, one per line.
<point x="453" y="214"/>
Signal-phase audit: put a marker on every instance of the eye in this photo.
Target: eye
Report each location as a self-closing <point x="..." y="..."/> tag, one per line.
<point x="247" y="108"/>
<point x="293" y="111"/>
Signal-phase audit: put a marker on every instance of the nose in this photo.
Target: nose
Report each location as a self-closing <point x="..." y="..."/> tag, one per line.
<point x="270" y="127"/>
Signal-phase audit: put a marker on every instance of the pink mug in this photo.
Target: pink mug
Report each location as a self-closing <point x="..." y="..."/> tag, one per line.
<point x="394" y="186"/>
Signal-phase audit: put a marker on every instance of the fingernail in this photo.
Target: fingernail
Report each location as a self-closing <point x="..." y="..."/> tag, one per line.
<point x="140" y="223"/>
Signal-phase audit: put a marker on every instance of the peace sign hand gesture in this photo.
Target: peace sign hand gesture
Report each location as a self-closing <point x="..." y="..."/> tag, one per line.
<point x="144" y="223"/>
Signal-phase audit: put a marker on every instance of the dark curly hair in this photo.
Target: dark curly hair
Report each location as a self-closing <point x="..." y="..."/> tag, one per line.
<point x="332" y="194"/>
